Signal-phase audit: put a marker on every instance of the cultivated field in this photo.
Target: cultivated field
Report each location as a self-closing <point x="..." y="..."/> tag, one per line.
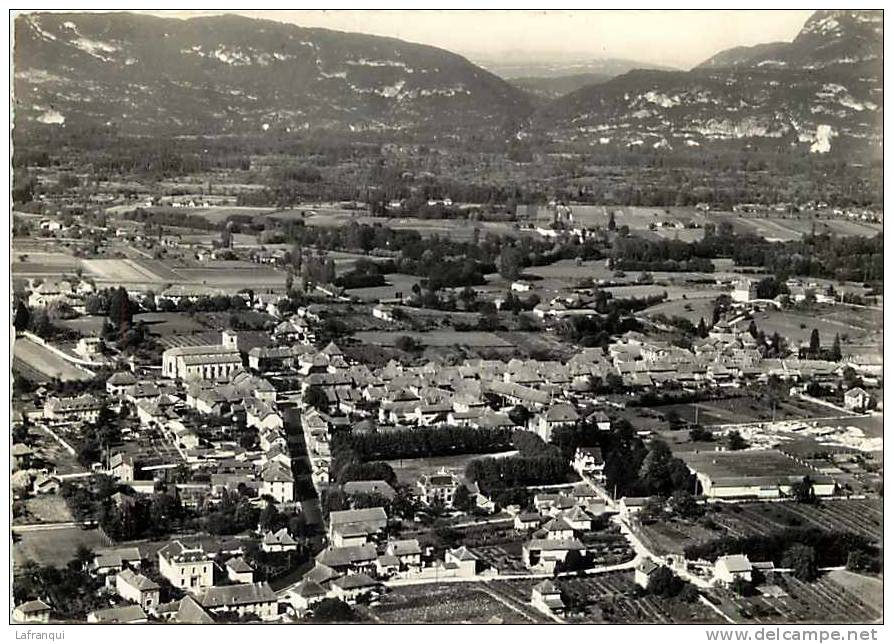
<point x="744" y="409"/>
<point x="692" y="309"/>
<point x="852" y="324"/>
<point x="859" y="516"/>
<point x="788" y="600"/>
<point x="451" y="603"/>
<point x="613" y="598"/>
<point x="37" y="361"/>
<point x="54" y="546"/>
<point x="27" y="263"/>
<point x="121" y="271"/>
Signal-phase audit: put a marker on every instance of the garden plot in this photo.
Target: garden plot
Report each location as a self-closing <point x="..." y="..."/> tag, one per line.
<point x="614" y="598"/>
<point x="822" y="601"/>
<point x="454" y="603"/>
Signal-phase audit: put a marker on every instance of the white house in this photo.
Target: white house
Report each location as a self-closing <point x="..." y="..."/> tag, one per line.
<point x="644" y="569"/>
<point x="186" y="567"/>
<point x="856" y="399"/>
<point x="546" y="597"/>
<point x="730" y="568"/>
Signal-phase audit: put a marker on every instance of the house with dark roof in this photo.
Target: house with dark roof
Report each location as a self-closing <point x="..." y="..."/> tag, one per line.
<point x="242" y="600"/>
<point x="408" y="553"/>
<point x="190" y="611"/>
<point x="380" y="488"/>
<point x="462" y="560"/>
<point x="560" y="415"/>
<point x="121" y="615"/>
<point x="349" y="559"/>
<point x="305" y="596"/>
<point x="137" y="588"/>
<point x="353" y="588"/>
<point x="356" y="527"/>
<point x="239" y="571"/>
<point x="645" y="568"/>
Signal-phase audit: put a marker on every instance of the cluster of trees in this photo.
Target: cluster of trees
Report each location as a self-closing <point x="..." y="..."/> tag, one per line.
<point x="160" y="217"/>
<point x="664" y="583"/>
<point x="829" y="548"/>
<point x="71" y="591"/>
<point x="136" y="516"/>
<point x="219" y="302"/>
<point x="364" y="274"/>
<point x="494" y="475"/>
<point x="422" y="442"/>
<point x="859" y="259"/>
<point x="596" y="330"/>
<point x="234" y="514"/>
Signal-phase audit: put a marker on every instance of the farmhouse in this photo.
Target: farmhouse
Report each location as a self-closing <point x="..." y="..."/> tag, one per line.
<point x="546" y="596"/>
<point x="242" y="599"/>
<point x="730" y="568"/>
<point x="560" y="415"/>
<point x="239" y="571"/>
<point x="32" y="612"/>
<point x="351" y="588"/>
<point x="644" y="569"/>
<point x="856" y="399"/>
<point x="348" y="559"/>
<point x="546" y="554"/>
<point x="137" y="588"/>
<point x="84" y="408"/>
<point x="381" y="488"/>
<point x="356" y="527"/>
<point x="764" y="474"/>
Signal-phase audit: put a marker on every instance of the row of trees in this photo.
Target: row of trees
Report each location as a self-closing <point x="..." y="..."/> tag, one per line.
<point x="422" y="442"/>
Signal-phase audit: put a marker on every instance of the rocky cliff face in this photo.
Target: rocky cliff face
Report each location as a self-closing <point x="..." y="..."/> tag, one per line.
<point x="231" y="74"/>
<point x="822" y="91"/>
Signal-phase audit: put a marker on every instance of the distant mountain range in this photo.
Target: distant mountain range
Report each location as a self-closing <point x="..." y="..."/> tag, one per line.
<point x="821" y="92"/>
<point x="232" y="74"/>
<point x="547" y="88"/>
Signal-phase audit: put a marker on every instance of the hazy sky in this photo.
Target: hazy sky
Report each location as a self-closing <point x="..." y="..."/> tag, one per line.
<point x="674" y="38"/>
